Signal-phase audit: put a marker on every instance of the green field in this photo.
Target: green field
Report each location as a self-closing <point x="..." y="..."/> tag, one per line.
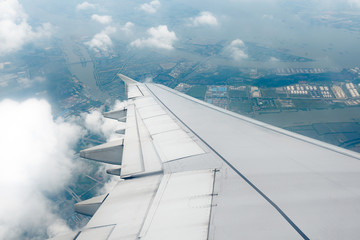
<point x="197" y="91"/>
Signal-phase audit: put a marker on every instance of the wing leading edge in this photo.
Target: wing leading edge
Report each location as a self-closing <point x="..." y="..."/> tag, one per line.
<point x="191" y="170"/>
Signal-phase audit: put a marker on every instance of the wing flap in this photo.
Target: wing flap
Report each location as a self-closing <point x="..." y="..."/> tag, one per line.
<point x="126" y="207"/>
<point x="170" y="206"/>
<point x="181" y="207"/>
<point x="132" y="158"/>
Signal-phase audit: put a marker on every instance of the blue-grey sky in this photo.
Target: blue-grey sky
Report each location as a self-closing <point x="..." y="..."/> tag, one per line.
<point x="295" y="25"/>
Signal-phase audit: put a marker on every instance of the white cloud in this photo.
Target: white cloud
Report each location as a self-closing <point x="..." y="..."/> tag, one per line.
<point x="96" y="123"/>
<point x="236" y="50"/>
<point x="160" y="37"/>
<point x="205" y="18"/>
<point x="104" y="19"/>
<point x="110" y="184"/>
<point x="85" y="6"/>
<point x="36" y="160"/>
<point x="151" y="7"/>
<point x="127" y="28"/>
<point x="14" y="28"/>
<point x="58" y="228"/>
<point x="102" y="41"/>
<point x="274" y="59"/>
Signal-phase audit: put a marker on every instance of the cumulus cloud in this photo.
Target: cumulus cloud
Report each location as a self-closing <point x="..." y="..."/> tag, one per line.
<point x="127" y="28"/>
<point x="15" y="31"/>
<point x="159" y="37"/>
<point x="85" y="6"/>
<point x="110" y="183"/>
<point x="150" y="7"/>
<point x="205" y="18"/>
<point x="236" y="50"/>
<point x="103" y="19"/>
<point x="36" y="158"/>
<point x="101" y="41"/>
<point x="96" y="123"/>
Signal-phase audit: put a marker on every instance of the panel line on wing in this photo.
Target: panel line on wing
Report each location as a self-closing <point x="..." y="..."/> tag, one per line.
<point x="154" y="116"/>
<point x="151" y="158"/>
<point x="139" y="140"/>
<point x="132" y="158"/>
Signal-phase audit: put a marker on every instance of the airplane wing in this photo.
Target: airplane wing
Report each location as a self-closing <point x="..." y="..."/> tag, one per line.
<point x="191" y="170"/>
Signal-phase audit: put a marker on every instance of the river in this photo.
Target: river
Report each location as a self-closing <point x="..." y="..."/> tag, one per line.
<point x="80" y="65"/>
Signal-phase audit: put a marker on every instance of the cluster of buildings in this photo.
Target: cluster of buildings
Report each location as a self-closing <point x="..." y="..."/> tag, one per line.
<point x="255" y="92"/>
<point x="305" y="90"/>
<point x="351" y="88"/>
<point x="338" y="91"/>
<point x="352" y="102"/>
<point x="355" y="71"/>
<point x="217" y="95"/>
<point x="290" y="71"/>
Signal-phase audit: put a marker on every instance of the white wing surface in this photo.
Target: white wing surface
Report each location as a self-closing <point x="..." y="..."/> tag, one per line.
<point x="191" y="170"/>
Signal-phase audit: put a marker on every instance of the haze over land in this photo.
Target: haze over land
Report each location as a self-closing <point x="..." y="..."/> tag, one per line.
<point x="58" y="63"/>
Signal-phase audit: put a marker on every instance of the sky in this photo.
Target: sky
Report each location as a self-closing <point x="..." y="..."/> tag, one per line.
<point x="37" y="148"/>
<point x="165" y="26"/>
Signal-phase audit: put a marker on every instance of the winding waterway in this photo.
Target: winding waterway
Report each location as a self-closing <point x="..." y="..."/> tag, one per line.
<point x="81" y="66"/>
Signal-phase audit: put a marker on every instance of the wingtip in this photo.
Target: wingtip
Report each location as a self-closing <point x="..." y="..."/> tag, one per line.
<point x="126" y="79"/>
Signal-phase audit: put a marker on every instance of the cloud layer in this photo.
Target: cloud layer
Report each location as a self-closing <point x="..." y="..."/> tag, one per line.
<point x="102" y="41"/>
<point x="159" y="37"/>
<point x="150" y="7"/>
<point x="36" y="159"/>
<point x="14" y="28"/>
